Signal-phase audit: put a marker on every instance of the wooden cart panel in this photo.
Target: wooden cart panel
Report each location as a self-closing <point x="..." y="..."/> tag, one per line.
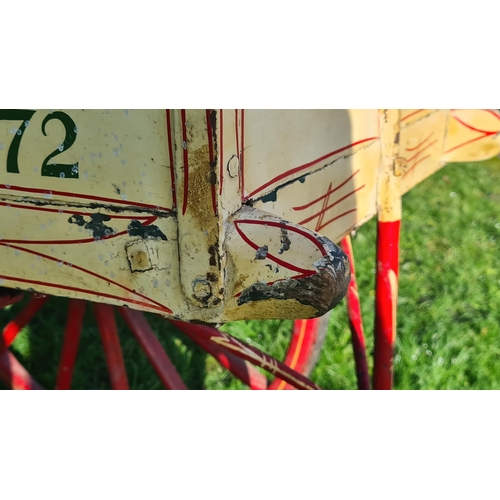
<point x="182" y="212"/>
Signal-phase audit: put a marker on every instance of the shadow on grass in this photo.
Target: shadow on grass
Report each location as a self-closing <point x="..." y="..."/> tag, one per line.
<point x="38" y="348"/>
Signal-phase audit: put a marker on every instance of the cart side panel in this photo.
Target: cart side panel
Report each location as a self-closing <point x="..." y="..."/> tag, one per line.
<point x="86" y="205"/>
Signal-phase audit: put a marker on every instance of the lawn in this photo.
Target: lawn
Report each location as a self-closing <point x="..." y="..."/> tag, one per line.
<point x="448" y="308"/>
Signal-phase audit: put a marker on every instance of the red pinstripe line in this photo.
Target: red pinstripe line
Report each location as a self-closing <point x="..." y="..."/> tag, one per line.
<point x="62" y="242"/>
<point x="323" y="209"/>
<point x="236" y="130"/>
<point x="291" y="267"/>
<point x="418" y="153"/>
<point x="95" y="275"/>
<point x="335" y="218"/>
<point x="327" y="194"/>
<point x="306" y="165"/>
<point x="470" y="127"/>
<point x="74" y="242"/>
<point x="210" y="137"/>
<point x="297" y="230"/>
<point x="492" y="112"/>
<point x="71" y="212"/>
<point x="186" y="164"/>
<point x="171" y="157"/>
<point x="82" y="196"/>
<point x="242" y="159"/>
<point x="82" y="290"/>
<point x="420" y="143"/>
<point x="467" y="142"/>
<point x="411" y="114"/>
<point x="221" y="151"/>
<point x="305" y="221"/>
<point x="211" y="157"/>
<point x="415" y="164"/>
<point x="484" y="133"/>
<point x="237" y="133"/>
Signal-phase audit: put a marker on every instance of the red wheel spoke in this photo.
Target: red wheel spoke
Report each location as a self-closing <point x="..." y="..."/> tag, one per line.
<point x="304" y="336"/>
<point x="14" y="374"/>
<point x="240" y="368"/>
<point x="76" y="312"/>
<point x="245" y="351"/>
<point x="356" y="321"/>
<point x="106" y="323"/>
<point x="153" y="348"/>
<point x="20" y="321"/>
<point x="386" y="302"/>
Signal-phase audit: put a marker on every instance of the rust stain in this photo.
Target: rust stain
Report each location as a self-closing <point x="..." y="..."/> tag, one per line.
<point x="238" y="285"/>
<point x="141" y="259"/>
<point x="200" y="195"/>
<point x="138" y="257"/>
<point x="202" y="219"/>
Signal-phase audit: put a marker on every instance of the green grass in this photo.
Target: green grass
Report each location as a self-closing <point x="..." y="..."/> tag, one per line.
<point x="449" y="295"/>
<point x="448" y="309"/>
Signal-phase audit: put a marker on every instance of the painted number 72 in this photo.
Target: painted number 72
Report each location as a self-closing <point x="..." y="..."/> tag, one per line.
<point x="48" y="170"/>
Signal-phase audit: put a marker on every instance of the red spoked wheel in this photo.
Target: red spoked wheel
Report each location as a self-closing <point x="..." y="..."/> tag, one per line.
<point x="235" y="355"/>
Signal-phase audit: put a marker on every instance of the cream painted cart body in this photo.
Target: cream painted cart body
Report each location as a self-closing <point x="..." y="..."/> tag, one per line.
<point x="209" y="216"/>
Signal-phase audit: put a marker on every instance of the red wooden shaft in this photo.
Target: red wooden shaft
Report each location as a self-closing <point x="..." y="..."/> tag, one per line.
<point x="74" y="321"/>
<point x="153" y="348"/>
<point x="304" y="335"/>
<point x="386" y="296"/>
<point x="105" y="316"/>
<point x="249" y="353"/>
<point x="356" y="321"/>
<point x="240" y="368"/>
<point x="14" y="374"/>
<point x="20" y="321"/>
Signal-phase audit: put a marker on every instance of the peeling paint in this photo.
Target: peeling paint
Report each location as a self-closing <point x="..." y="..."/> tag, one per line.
<point x="135" y="228"/>
<point x="303" y="290"/>
<point x="95" y="224"/>
<point x="202" y="290"/>
<point x="212" y="277"/>
<point x="273" y="195"/>
<point x="285" y="241"/>
<point x="261" y="253"/>
<point x="213" y="250"/>
<point x="67" y="206"/>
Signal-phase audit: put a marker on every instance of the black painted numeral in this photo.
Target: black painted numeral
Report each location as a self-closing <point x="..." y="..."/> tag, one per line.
<point x="60" y="169"/>
<point x="14" y="115"/>
<point x="48" y="170"/>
